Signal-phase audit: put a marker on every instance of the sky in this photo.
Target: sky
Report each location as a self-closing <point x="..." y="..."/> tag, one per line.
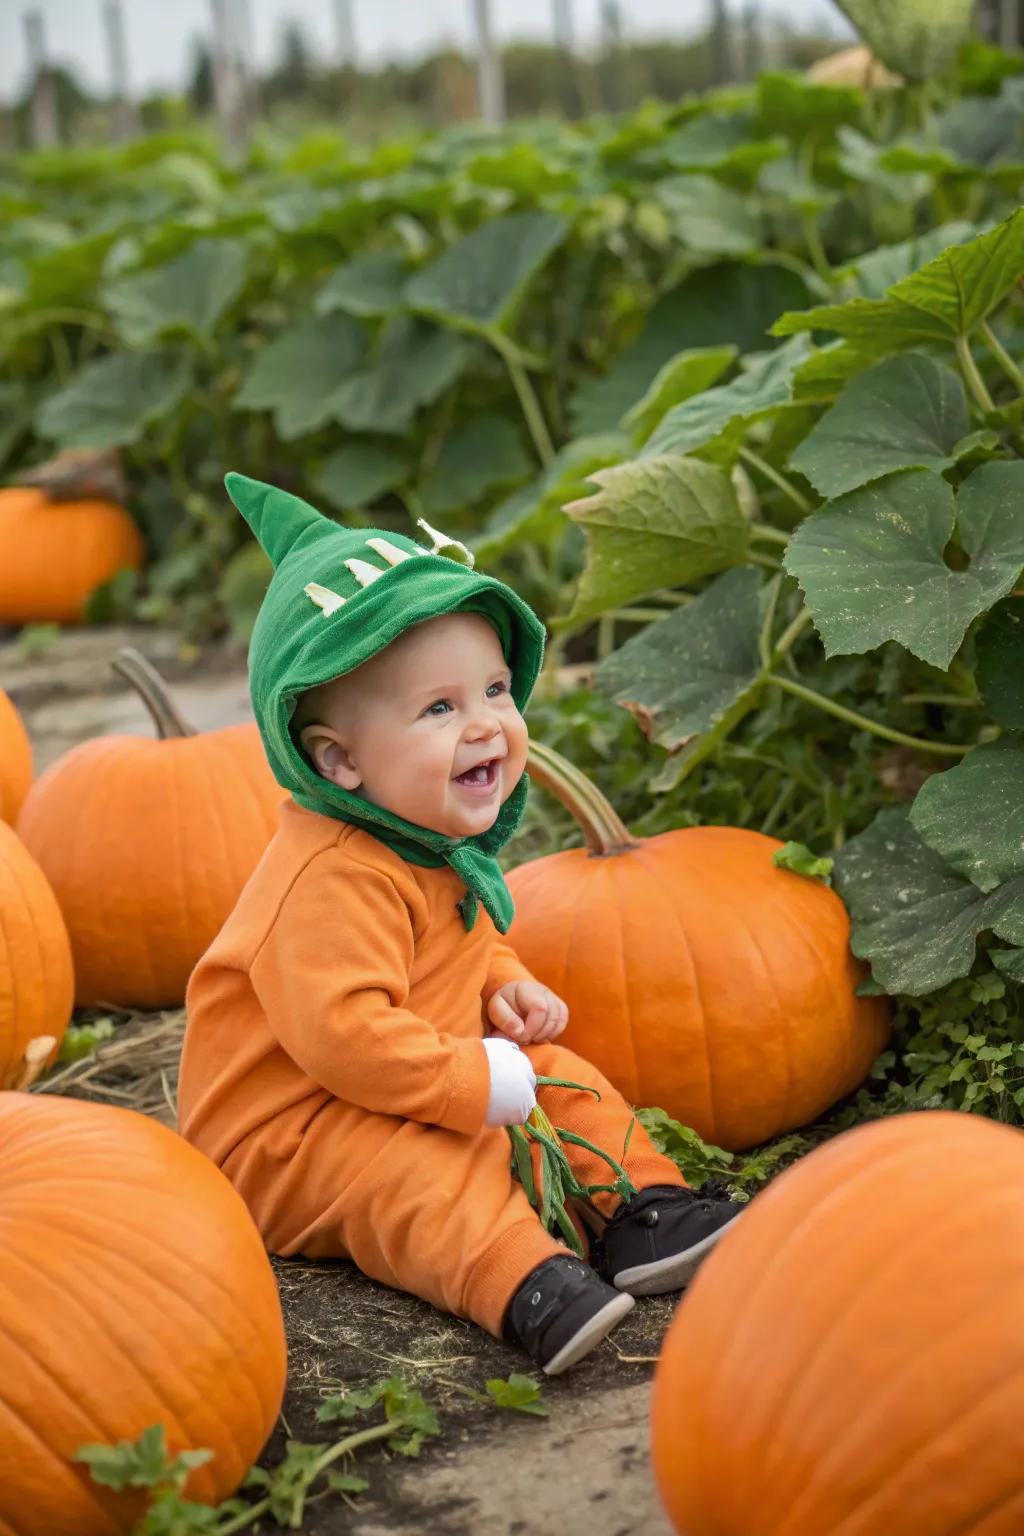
<point x="160" y="33"/>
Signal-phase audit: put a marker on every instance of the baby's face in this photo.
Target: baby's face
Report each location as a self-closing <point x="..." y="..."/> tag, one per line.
<point x="427" y="729"/>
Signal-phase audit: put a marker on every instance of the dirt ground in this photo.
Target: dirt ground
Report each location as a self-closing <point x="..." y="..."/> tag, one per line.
<point x="584" y="1470"/>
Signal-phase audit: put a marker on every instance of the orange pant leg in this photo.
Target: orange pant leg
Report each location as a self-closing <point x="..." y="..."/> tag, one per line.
<point x="419" y="1208"/>
<point x="605" y="1124"/>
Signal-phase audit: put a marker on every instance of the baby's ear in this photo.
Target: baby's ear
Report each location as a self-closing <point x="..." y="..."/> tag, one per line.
<point x="329" y="757"/>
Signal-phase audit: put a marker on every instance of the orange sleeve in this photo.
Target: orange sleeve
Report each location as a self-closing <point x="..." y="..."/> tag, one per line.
<point x="505" y="966"/>
<point x="332" y="977"/>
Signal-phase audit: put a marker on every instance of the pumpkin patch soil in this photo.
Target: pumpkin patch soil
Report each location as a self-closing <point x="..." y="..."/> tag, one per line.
<point x="583" y="1470"/>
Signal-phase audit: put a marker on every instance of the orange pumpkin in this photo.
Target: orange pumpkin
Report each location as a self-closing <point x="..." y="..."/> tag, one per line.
<point x="147" y="845"/>
<point x="135" y="1290"/>
<point x="15" y="760"/>
<point x="850" y="1358"/>
<point x="699" y="977"/>
<point x="36" y="983"/>
<point x="54" y="554"/>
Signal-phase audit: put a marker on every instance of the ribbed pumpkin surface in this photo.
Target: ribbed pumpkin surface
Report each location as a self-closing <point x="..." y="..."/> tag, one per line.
<point x="15" y="760"/>
<point x="53" y="554"/>
<point x="850" y="1359"/>
<point x="134" y="1290"/>
<point x="702" y="979"/>
<point x="147" y="845"/>
<point x="36" y="984"/>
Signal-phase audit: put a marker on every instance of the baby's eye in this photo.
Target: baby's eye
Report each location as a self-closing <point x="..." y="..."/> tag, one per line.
<point x="501" y="687"/>
<point x="442" y="704"/>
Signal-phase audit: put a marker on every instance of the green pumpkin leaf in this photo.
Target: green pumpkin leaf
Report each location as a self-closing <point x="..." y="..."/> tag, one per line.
<point x="906" y="412"/>
<point x="716" y="142"/>
<point x="789" y="180"/>
<point x="973" y="814"/>
<point x="346" y="1482"/>
<point x="730" y="304"/>
<point x="412" y="367"/>
<point x="296" y="374"/>
<point x="243" y="586"/>
<point x="795" y="106"/>
<point x="519" y="1393"/>
<point x="721" y="415"/>
<point x="358" y="474"/>
<point x="110" y="403"/>
<point x="655" y="522"/>
<point x="916" y="38"/>
<point x="1009" y="961"/>
<point x="875" y="326"/>
<point x="187" y="295"/>
<point x="874" y="273"/>
<point x="477" y="282"/>
<point x="367" y="286"/>
<point x="534" y="513"/>
<point x="680" y="675"/>
<point x="799" y="858"/>
<point x="483" y="454"/>
<point x="872" y="563"/>
<point x="999" y="662"/>
<point x="687" y="374"/>
<point x="913" y="918"/>
<point x="706" y="216"/>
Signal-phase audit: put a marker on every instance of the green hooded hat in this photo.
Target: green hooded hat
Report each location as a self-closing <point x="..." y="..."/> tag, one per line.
<point x="337" y="597"/>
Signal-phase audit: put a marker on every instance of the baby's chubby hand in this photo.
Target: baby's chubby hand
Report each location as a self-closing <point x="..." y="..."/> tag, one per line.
<point x="527" y="1012"/>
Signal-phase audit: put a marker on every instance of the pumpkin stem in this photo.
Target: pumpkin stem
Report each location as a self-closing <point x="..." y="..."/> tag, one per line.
<point x="153" y="692"/>
<point x="604" y="831"/>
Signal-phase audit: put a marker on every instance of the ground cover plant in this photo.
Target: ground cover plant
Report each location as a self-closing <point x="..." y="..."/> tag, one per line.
<point x="730" y="391"/>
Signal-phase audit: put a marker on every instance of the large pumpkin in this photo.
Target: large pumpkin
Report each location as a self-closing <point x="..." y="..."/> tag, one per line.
<point x="54" y="554"/>
<point x="15" y="760"/>
<point x="36" y="984"/>
<point x="147" y="845"/>
<point x="699" y="977"/>
<point x="134" y="1290"/>
<point x="850" y="1359"/>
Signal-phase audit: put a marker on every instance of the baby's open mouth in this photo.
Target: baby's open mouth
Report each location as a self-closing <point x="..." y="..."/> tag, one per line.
<point x="483" y="776"/>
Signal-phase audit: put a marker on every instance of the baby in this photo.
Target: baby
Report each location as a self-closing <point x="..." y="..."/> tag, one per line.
<point x="359" y="1033"/>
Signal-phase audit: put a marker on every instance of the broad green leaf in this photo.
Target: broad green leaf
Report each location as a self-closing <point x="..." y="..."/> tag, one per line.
<point x="655" y="522"/>
<point x="790" y="180"/>
<point x="872" y="563"/>
<point x="523" y="168"/>
<point x="687" y="374"/>
<point x="717" y="142"/>
<point x="730" y="304"/>
<point x="15" y="417"/>
<point x="366" y="286"/>
<point x="764" y="387"/>
<point x="972" y="815"/>
<point x="875" y="272"/>
<point x="110" y="403"/>
<point x="680" y="675"/>
<point x="359" y="473"/>
<point x="477" y="283"/>
<point x="189" y="294"/>
<point x="980" y="131"/>
<point x="485" y="453"/>
<point x="412" y="367"/>
<point x="795" y="106"/>
<point x="296" y="374"/>
<point x="966" y="282"/>
<point x="534" y="513"/>
<point x="917" y="38"/>
<point x="69" y="274"/>
<point x="243" y="586"/>
<point x="518" y="1392"/>
<point x="827" y="370"/>
<point x="799" y="858"/>
<point x="1009" y="961"/>
<point x="860" y="158"/>
<point x="906" y="412"/>
<point x="912" y="917"/>
<point x="874" y="326"/>
<point x="709" y="217"/>
<point x="999" y="662"/>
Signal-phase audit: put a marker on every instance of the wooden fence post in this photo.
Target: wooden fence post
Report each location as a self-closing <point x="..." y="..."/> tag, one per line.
<point x="228" y="78"/>
<point x="345" y="34"/>
<point x="44" y="127"/>
<point x="490" y="77"/>
<point x="123" y="120"/>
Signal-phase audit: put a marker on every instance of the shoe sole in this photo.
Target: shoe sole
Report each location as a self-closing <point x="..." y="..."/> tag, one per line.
<point x="590" y="1335"/>
<point x="672" y="1273"/>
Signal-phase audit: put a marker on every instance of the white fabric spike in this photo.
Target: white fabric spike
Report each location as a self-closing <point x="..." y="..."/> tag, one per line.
<point x="363" y="571"/>
<point x="388" y="551"/>
<point x="324" y="598"/>
<point x="442" y="542"/>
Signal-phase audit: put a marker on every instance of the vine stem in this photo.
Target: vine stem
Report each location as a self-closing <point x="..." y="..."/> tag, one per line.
<point x="342" y="1448"/>
<point x="975" y="383"/>
<point x="852" y="717"/>
<point x="532" y="412"/>
<point x="778" y="478"/>
<point x="1002" y="357"/>
<point x="766" y="531"/>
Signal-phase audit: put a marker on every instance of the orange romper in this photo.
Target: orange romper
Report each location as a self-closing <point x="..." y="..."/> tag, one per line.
<point x="333" y="1068"/>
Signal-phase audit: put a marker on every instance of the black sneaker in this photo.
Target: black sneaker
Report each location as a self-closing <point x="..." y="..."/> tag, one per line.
<point x="561" y="1312"/>
<point x="655" y="1242"/>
